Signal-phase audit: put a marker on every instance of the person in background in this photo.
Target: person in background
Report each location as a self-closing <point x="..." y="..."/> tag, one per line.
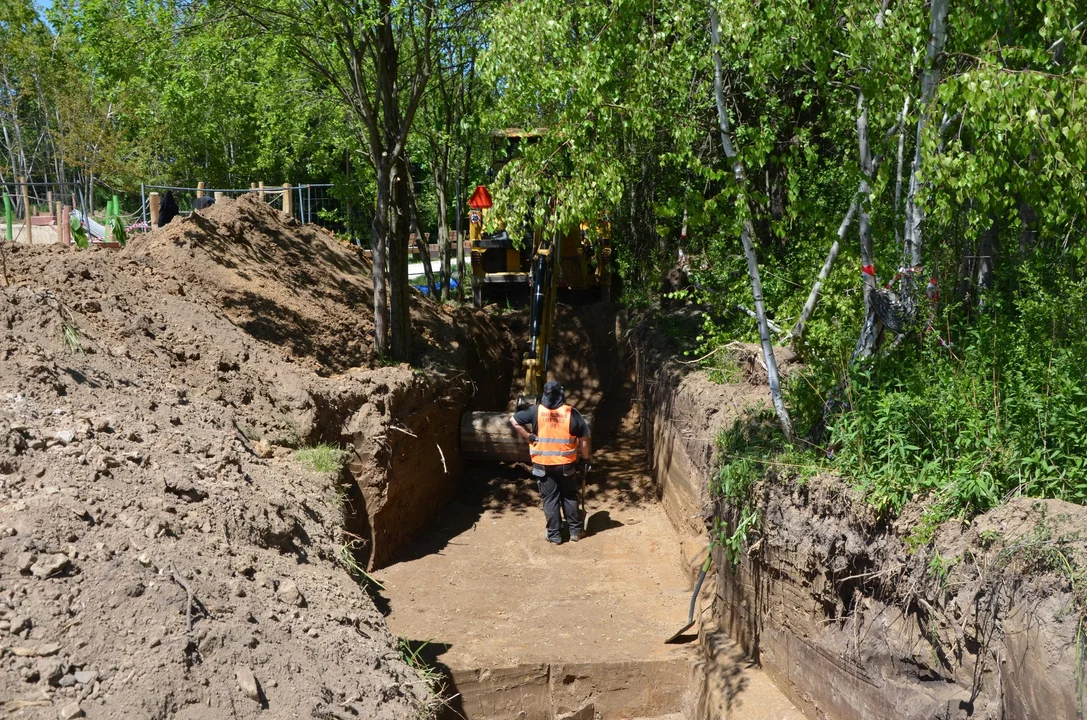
<point x="167" y="208"/>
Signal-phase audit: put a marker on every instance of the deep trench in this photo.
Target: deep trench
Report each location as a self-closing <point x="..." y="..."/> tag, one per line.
<point x="529" y="666"/>
<point x="521" y="629"/>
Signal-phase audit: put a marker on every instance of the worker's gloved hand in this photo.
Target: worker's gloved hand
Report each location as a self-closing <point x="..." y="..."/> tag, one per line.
<point x="586" y="465"/>
<point x="533" y="438"/>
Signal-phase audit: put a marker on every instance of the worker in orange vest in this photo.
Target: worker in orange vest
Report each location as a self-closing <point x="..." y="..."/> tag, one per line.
<point x="557" y="434"/>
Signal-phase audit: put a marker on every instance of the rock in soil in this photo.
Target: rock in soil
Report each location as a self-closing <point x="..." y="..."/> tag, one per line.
<point x="248" y="683"/>
<point x="288" y="592"/>
<point x="49" y="565"/>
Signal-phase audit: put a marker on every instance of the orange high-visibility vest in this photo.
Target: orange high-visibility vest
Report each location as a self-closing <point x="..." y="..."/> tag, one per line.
<point x="555" y="444"/>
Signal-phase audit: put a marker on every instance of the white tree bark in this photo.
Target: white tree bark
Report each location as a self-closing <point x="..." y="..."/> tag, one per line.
<point x="866" y="342"/>
<point x="745" y="237"/>
<point x="914" y="213"/>
<point x="797" y="332"/>
<point x="898" y="173"/>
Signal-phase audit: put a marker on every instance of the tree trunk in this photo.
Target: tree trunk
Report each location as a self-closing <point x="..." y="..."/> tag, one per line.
<point x="399" y="287"/>
<point x="745" y="237"/>
<point x="764" y="334"/>
<point x="985" y="261"/>
<point x="378" y="248"/>
<point x="797" y="332"/>
<point x="1028" y="228"/>
<point x="914" y="213"/>
<point x="443" y="232"/>
<point x="460" y="218"/>
<point x="898" y="171"/>
<point x="422" y="246"/>
<point x="416" y="226"/>
<point x="866" y="342"/>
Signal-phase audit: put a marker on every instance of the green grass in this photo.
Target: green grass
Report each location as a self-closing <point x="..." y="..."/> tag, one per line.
<point x="323" y="458"/>
<point x="72" y="339"/>
<point x="743" y="451"/>
<point x="434" y="679"/>
<point x="351" y="564"/>
<point x="724" y="372"/>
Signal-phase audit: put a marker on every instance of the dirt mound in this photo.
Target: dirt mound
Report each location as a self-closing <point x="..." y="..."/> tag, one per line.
<point x="293" y="286"/>
<point x="162" y="553"/>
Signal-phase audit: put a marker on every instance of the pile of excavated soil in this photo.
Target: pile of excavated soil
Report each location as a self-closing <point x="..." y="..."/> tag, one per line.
<point x="162" y="553"/>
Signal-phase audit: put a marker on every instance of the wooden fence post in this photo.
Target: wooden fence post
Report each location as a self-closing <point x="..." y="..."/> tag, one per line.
<point x="287" y="206"/>
<point x="218" y="196"/>
<point x="252" y="187"/>
<point x="200" y="189"/>
<point x="66" y="225"/>
<point x="260" y="189"/>
<point x="153" y="201"/>
<point x="26" y="211"/>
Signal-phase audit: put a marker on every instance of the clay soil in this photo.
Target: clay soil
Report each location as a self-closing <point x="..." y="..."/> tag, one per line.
<point x="162" y="553"/>
<point x="486" y="571"/>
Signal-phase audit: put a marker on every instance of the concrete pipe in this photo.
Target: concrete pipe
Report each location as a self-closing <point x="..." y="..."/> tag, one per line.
<point x="489" y="436"/>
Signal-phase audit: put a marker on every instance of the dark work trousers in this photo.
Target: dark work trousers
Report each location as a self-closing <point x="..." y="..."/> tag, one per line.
<point x="559" y="490"/>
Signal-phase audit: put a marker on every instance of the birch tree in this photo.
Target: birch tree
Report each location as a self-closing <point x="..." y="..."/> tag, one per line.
<point x="745" y="235"/>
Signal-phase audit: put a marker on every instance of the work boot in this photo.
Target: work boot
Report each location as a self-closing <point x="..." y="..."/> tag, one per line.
<point x="557" y="541"/>
<point x="574" y="538"/>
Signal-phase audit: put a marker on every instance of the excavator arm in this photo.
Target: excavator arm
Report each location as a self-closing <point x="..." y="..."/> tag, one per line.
<point x="488" y="435"/>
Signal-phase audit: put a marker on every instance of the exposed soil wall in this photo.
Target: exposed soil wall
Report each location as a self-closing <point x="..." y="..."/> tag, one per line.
<point x="835" y="607"/>
<point x="979" y="623"/>
<point x="683" y="413"/>
<point x="150" y="403"/>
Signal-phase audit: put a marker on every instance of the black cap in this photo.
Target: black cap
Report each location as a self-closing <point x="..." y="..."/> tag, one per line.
<point x="553" y="395"/>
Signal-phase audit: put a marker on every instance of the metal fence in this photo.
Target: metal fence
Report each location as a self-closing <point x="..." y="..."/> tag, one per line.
<point x="308" y="203"/>
<point x="34" y="212"/>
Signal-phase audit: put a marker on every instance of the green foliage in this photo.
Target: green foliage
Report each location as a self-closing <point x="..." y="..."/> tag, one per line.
<point x="1001" y="412"/>
<point x="722" y="372"/>
<point x="354" y="567"/>
<point x="608" y="81"/>
<point x="160" y="90"/>
<point x="79" y="235"/>
<point x="939" y="567"/>
<point x="72" y="338"/>
<point x="436" y="681"/>
<point x="322" y="458"/>
<point x="742" y="451"/>
<point x="117" y="231"/>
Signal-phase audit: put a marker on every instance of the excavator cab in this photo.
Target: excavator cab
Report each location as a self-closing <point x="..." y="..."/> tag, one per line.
<point x="497" y="261"/>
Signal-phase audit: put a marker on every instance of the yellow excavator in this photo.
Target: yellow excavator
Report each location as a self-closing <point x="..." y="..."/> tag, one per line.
<point x="583" y="257"/>
<point x="488" y="435"/>
<point x="547" y="261"/>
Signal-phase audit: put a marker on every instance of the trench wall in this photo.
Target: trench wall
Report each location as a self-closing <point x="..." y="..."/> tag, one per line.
<point x="829" y="602"/>
<point x="401" y="427"/>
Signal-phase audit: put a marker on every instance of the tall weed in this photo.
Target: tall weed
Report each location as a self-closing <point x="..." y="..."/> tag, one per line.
<point x="1001" y="412"/>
